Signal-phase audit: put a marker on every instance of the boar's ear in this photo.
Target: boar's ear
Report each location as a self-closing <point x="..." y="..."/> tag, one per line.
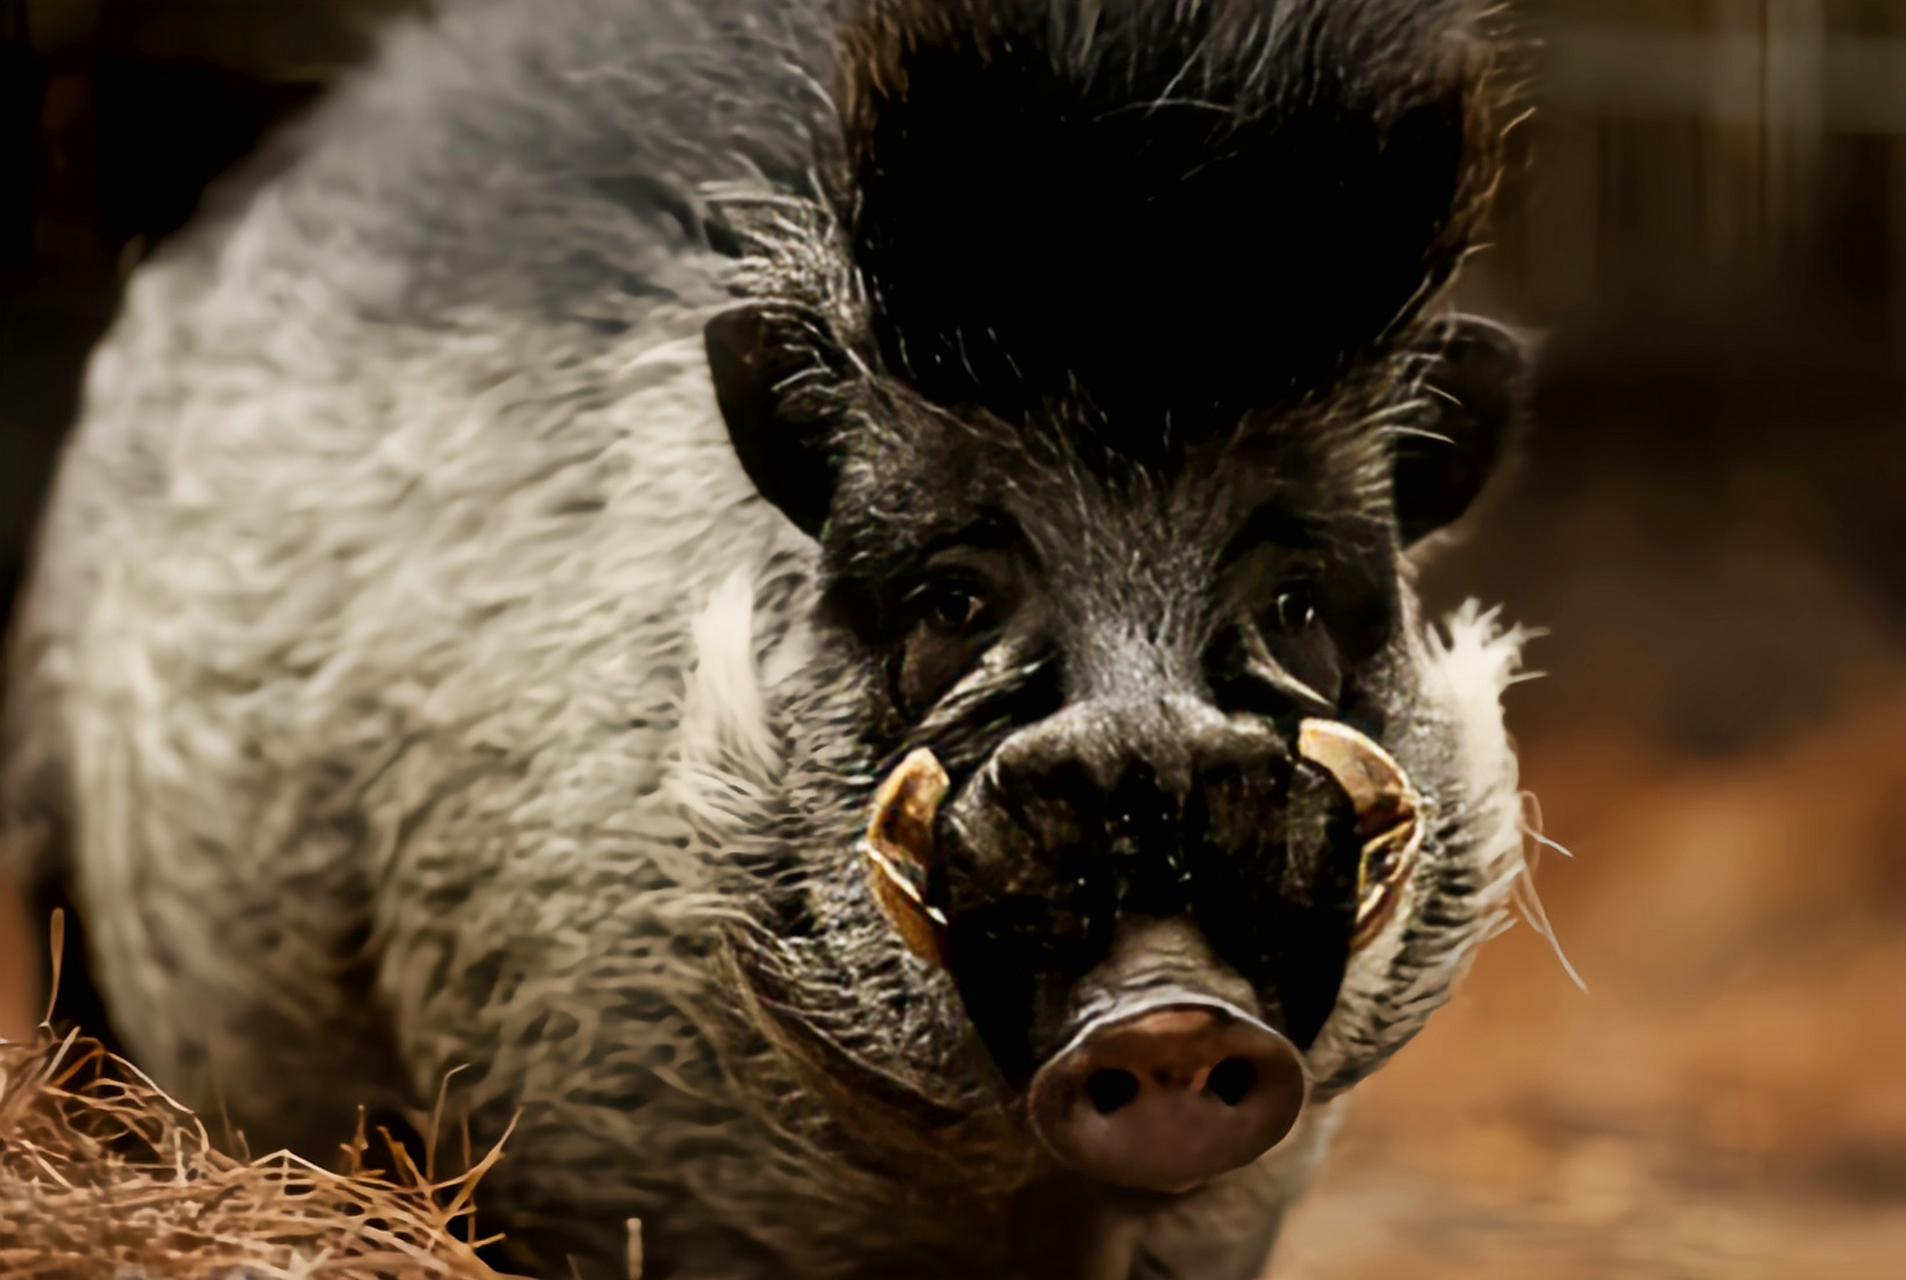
<point x="1475" y="385"/>
<point x="764" y="361"/>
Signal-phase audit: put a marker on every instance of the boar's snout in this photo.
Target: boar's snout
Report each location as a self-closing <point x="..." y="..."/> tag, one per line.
<point x="1167" y="1099"/>
<point x="1116" y="812"/>
<point x="1169" y="1081"/>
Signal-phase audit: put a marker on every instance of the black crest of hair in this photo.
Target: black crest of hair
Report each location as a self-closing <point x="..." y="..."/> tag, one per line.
<point x="1182" y="210"/>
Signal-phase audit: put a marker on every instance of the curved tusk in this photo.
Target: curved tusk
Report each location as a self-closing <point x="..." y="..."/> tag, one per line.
<point x="1389" y="814"/>
<point x="898" y="849"/>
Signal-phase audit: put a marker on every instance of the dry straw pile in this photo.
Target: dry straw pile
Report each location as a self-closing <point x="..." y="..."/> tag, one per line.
<point x="103" y="1175"/>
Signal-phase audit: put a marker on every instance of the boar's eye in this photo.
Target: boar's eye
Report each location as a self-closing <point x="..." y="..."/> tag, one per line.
<point x="1295" y="632"/>
<point x="1295" y="609"/>
<point x="954" y="609"/>
<point x="955" y="619"/>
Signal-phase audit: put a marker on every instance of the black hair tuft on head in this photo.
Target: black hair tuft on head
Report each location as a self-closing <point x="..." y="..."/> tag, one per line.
<point x="1187" y="208"/>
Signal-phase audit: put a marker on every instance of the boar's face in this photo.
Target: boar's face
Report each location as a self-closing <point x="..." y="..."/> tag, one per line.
<point x="1106" y="381"/>
<point x="1112" y="660"/>
<point x="1115" y="650"/>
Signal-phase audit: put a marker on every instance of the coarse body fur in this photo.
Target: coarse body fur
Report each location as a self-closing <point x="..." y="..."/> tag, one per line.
<point x="412" y="681"/>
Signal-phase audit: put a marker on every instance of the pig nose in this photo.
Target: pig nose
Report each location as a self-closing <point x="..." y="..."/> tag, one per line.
<point x="1167" y="1099"/>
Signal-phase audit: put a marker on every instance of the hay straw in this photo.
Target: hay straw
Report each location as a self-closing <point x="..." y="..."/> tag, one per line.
<point x="103" y="1175"/>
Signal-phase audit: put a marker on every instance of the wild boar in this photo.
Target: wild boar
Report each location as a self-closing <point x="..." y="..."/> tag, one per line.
<point x="816" y="599"/>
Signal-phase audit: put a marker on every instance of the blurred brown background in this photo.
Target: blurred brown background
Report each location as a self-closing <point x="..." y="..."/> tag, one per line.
<point x="1708" y="221"/>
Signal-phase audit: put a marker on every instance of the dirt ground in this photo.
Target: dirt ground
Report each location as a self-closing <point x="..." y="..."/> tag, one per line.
<point x="1729" y="1097"/>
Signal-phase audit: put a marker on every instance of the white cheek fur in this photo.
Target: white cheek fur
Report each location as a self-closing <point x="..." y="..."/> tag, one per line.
<point x="1473" y="860"/>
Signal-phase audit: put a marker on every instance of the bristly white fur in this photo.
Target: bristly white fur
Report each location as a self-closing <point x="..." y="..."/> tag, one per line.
<point x="1472" y="860"/>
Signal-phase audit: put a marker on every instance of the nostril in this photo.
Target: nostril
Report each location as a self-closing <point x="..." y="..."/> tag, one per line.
<point x="1111" y="1089"/>
<point x="1231" y="1081"/>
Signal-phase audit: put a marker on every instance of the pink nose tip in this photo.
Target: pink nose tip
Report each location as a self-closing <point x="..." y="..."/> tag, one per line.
<point x="1167" y="1099"/>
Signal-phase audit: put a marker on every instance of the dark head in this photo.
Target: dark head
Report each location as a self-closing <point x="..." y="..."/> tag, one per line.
<point x="1111" y="386"/>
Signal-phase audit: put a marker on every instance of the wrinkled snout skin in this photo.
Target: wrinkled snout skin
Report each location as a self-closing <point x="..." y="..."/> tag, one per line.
<point x="807" y="609"/>
<point x="1168" y="812"/>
